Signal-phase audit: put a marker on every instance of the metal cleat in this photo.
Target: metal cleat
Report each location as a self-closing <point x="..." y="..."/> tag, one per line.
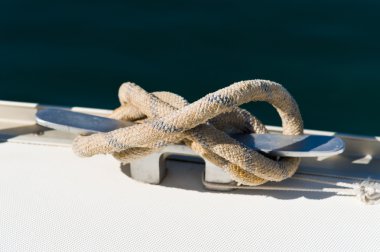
<point x="151" y="169"/>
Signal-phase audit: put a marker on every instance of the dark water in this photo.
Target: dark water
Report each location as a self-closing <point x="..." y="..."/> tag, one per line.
<point x="326" y="53"/>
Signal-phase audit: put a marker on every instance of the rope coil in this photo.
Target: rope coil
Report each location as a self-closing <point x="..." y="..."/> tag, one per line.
<point x="164" y="118"/>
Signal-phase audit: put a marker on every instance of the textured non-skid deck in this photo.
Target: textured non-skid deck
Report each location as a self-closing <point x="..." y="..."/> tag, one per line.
<point x="51" y="200"/>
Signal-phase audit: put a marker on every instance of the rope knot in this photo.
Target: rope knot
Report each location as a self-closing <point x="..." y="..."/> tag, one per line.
<point x="163" y="118"/>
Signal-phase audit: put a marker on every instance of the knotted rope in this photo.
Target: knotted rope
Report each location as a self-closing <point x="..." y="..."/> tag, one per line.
<point x="164" y="118"/>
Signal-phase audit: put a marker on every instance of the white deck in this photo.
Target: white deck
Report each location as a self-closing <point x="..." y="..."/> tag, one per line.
<point x="51" y="200"/>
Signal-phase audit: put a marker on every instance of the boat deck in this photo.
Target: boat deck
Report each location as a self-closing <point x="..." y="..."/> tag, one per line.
<point x="52" y="200"/>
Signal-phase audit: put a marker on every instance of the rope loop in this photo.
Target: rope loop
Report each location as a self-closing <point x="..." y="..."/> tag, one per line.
<point x="163" y="118"/>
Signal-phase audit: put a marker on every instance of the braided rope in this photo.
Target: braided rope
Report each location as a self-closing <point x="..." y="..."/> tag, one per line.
<point x="164" y="118"/>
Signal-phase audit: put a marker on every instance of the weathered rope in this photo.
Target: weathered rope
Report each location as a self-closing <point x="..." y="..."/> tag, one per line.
<point x="164" y="118"/>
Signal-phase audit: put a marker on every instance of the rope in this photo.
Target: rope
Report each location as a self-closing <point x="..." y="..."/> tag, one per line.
<point x="164" y="118"/>
<point x="367" y="190"/>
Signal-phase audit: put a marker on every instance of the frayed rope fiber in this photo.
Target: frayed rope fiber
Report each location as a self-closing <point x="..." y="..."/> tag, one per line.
<point x="163" y="118"/>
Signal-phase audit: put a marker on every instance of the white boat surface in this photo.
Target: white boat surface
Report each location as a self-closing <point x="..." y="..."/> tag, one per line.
<point x="52" y="200"/>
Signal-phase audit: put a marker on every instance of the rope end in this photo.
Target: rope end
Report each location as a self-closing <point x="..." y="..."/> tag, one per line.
<point x="368" y="191"/>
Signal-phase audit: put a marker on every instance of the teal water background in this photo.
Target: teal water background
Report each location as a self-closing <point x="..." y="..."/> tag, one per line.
<point x="326" y="53"/>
